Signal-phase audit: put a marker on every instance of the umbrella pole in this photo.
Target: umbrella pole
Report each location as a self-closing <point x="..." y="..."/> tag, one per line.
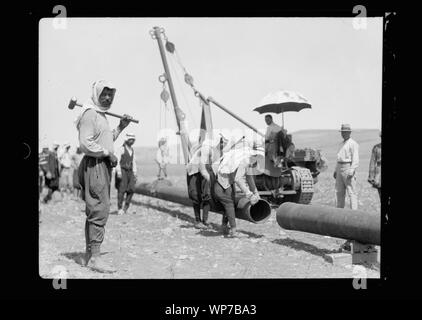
<point x="282" y="116"/>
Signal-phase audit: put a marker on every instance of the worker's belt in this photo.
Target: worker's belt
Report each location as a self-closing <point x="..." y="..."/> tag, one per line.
<point x="106" y="160"/>
<point x="341" y="162"/>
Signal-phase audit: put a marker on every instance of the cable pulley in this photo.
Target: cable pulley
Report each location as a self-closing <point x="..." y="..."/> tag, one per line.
<point x="165" y="95"/>
<point x="170" y="47"/>
<point x="189" y="79"/>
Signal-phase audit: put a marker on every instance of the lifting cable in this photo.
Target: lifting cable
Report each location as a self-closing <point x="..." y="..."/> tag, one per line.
<point x="188" y="79"/>
<point x="178" y="81"/>
<point x="170" y="47"/>
<point x="164" y="97"/>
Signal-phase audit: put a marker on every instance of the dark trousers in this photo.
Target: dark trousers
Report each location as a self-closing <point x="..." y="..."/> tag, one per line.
<point x="227" y="198"/>
<point x="52" y="185"/>
<point x="50" y="192"/>
<point x="75" y="179"/>
<point x="40" y="184"/>
<point x="199" y="190"/>
<point x="125" y="185"/>
<point x="95" y="178"/>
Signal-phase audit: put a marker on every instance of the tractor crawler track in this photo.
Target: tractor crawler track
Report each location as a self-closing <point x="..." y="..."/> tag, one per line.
<point x="306" y="191"/>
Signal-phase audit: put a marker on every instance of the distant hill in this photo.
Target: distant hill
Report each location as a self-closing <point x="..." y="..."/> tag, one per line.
<point x="328" y="142"/>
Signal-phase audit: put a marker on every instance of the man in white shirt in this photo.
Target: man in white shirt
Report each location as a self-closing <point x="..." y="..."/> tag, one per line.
<point x="66" y="173"/>
<point x="96" y="140"/>
<point x="345" y="172"/>
<point x="236" y="167"/>
<point x="126" y="173"/>
<point x="201" y="177"/>
<point x="162" y="158"/>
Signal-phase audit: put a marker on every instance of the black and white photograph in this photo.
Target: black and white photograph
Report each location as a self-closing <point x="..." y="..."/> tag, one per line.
<point x="210" y="147"/>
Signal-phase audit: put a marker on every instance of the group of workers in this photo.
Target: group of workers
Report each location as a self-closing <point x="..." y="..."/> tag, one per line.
<point x="213" y="172"/>
<point x="217" y="166"/>
<point x="96" y="143"/>
<point x="58" y="172"/>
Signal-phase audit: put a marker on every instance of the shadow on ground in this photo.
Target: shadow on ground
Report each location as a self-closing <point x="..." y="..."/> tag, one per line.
<point x="77" y="256"/>
<point x="185" y="217"/>
<point x="302" y="246"/>
<point x="174" y="213"/>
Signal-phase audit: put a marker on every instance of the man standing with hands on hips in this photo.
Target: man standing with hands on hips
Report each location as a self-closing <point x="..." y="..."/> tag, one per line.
<point x="96" y="142"/>
<point x="345" y="172"/>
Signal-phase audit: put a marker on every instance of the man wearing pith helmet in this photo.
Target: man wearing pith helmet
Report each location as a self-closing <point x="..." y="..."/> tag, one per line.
<point x="345" y="172"/>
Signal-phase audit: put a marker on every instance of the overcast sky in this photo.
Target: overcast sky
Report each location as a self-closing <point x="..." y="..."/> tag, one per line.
<point x="237" y="61"/>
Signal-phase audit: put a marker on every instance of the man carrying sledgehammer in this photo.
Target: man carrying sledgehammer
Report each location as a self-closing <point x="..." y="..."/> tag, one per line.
<point x="96" y="142"/>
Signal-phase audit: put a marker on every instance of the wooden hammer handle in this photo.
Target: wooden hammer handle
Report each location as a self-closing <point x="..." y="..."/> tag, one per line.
<point x="112" y="114"/>
<point x="119" y="116"/>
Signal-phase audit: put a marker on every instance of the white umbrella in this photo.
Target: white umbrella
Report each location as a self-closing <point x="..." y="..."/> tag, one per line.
<point x="282" y="101"/>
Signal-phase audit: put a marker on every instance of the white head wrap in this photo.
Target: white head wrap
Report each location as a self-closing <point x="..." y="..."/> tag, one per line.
<point x="97" y="88"/>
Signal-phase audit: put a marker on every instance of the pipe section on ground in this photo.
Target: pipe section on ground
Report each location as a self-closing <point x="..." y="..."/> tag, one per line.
<point x="347" y="224"/>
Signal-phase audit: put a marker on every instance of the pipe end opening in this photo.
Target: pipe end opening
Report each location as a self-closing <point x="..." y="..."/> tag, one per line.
<point x="260" y="211"/>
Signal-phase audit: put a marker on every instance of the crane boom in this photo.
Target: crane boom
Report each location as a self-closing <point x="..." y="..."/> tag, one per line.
<point x="180" y="115"/>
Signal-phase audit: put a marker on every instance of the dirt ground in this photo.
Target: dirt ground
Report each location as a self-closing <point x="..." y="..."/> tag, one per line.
<point x="157" y="239"/>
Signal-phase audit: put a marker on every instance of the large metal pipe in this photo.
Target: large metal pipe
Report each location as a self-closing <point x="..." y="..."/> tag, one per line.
<point x="347" y="224"/>
<point x="258" y="213"/>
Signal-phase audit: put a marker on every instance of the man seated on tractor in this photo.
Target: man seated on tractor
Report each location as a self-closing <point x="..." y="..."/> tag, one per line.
<point x="283" y="151"/>
<point x="272" y="145"/>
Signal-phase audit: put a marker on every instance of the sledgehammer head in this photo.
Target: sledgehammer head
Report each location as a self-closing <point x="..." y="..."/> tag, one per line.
<point x="73" y="103"/>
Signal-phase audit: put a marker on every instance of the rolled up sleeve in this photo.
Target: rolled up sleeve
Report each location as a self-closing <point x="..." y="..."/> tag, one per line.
<point x="251" y="182"/>
<point x="116" y="133"/>
<point x="240" y="179"/>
